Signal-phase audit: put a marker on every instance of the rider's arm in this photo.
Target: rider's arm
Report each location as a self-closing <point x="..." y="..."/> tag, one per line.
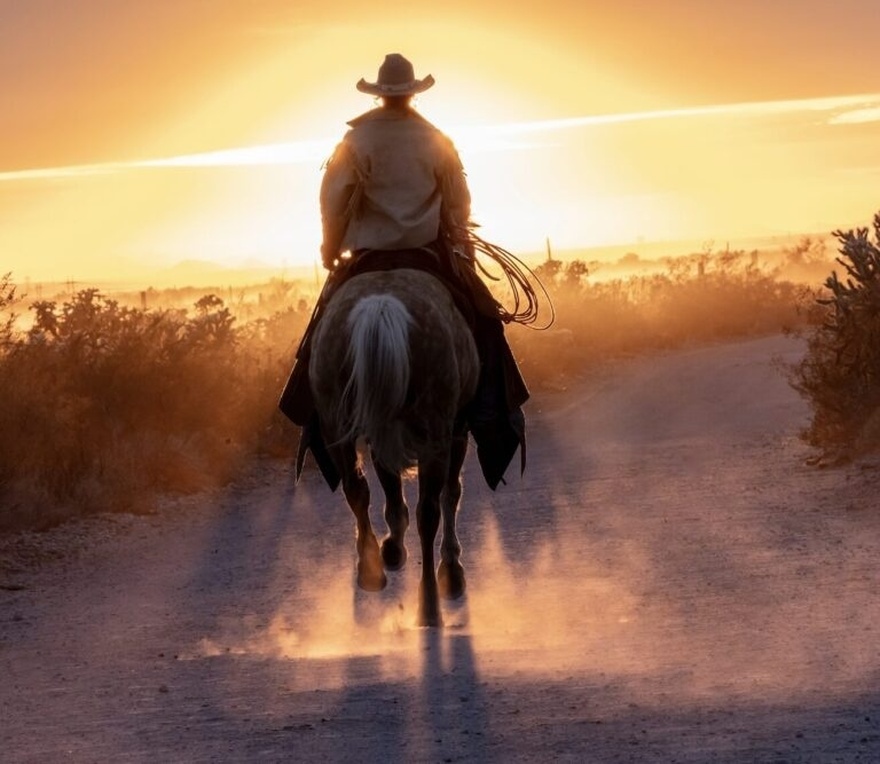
<point x="337" y="195"/>
<point x="456" y="195"/>
<point x="456" y="206"/>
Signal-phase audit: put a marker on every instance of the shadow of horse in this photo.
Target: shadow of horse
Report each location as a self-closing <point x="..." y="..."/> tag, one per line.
<point x="394" y="363"/>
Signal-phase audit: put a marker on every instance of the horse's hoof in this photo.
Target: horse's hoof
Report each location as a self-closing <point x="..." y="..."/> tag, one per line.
<point x="430" y="620"/>
<point x="393" y="554"/>
<point x="371" y="580"/>
<point x="429" y="605"/>
<point x="451" y="581"/>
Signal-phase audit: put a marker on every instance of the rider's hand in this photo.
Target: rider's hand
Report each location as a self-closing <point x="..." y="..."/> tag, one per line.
<point x="328" y="258"/>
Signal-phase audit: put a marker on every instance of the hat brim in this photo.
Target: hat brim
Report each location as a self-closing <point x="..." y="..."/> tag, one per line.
<point x="406" y="88"/>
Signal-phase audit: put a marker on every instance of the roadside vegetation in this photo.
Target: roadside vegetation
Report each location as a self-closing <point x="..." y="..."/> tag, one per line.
<point x="104" y="405"/>
<point x="695" y="299"/>
<point x="840" y="373"/>
<point x="109" y="401"/>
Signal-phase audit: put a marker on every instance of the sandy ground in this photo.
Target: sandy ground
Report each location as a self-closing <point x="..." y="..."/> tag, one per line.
<point x="669" y="581"/>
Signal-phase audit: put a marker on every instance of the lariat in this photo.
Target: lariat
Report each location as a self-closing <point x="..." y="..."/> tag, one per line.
<point x="523" y="283"/>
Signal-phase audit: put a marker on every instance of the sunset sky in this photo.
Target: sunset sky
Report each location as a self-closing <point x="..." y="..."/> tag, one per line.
<point x="136" y="134"/>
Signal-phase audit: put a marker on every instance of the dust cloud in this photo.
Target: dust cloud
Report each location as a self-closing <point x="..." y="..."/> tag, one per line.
<point x="684" y="549"/>
<point x="569" y="610"/>
<point x="537" y="612"/>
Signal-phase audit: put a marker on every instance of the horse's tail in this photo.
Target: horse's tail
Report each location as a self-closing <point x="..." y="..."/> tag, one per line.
<point x="376" y="390"/>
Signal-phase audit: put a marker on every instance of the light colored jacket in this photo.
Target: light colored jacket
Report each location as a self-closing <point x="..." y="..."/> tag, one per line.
<point x="389" y="183"/>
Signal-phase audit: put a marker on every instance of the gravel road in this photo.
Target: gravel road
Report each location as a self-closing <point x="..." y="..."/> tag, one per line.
<point x="669" y="581"/>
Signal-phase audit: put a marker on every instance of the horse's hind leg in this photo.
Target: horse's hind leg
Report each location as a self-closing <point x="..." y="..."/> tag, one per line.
<point x="396" y="517"/>
<point x="450" y="573"/>
<point x="432" y="475"/>
<point x="370" y="573"/>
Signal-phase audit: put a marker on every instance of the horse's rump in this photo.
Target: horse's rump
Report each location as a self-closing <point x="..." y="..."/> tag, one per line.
<point x="393" y="361"/>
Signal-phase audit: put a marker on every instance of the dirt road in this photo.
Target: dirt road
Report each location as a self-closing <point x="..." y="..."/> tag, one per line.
<point x="669" y="581"/>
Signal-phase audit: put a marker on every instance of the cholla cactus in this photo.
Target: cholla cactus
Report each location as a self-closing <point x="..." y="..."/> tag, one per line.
<point x="841" y="371"/>
<point x="854" y="315"/>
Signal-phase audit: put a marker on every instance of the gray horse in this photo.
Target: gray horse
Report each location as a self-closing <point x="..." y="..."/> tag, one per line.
<point x="393" y="362"/>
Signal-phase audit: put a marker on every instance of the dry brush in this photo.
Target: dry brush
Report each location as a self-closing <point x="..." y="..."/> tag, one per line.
<point x="106" y="405"/>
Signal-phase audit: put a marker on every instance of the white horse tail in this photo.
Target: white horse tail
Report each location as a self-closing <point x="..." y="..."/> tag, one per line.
<point x="376" y="390"/>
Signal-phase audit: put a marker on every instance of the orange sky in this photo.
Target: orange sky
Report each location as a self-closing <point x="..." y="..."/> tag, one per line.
<point x="109" y="83"/>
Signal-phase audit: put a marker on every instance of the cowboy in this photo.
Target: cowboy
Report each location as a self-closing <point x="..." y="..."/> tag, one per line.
<point x="394" y="194"/>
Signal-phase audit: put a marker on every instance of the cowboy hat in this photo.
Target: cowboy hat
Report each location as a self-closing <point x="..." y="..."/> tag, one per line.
<point x="396" y="78"/>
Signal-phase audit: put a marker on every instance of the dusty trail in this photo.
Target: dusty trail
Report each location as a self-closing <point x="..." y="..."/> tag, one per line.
<point x="668" y="582"/>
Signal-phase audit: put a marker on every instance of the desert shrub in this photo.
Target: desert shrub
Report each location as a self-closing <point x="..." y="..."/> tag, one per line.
<point x="840" y="373"/>
<point x="702" y="298"/>
<point x="806" y="261"/>
<point x="720" y="296"/>
<point x="270" y="345"/>
<point x="110" y="403"/>
<point x="8" y="301"/>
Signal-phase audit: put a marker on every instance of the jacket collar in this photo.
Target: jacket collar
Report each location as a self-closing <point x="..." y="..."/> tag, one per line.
<point x="384" y="114"/>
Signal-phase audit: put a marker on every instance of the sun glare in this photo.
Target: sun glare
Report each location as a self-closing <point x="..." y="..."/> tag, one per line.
<point x="548" y="144"/>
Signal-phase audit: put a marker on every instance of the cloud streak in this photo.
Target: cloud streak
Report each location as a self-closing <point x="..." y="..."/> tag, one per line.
<point x="846" y="109"/>
<point x="843" y="110"/>
<point x="857" y="116"/>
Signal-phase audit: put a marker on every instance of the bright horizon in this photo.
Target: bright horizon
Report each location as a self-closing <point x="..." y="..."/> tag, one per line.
<point x="136" y="145"/>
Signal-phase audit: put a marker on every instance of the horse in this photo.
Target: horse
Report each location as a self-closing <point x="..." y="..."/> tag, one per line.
<point x="395" y="363"/>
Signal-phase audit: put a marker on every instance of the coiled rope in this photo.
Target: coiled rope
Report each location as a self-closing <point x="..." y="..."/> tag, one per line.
<point x="521" y="281"/>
